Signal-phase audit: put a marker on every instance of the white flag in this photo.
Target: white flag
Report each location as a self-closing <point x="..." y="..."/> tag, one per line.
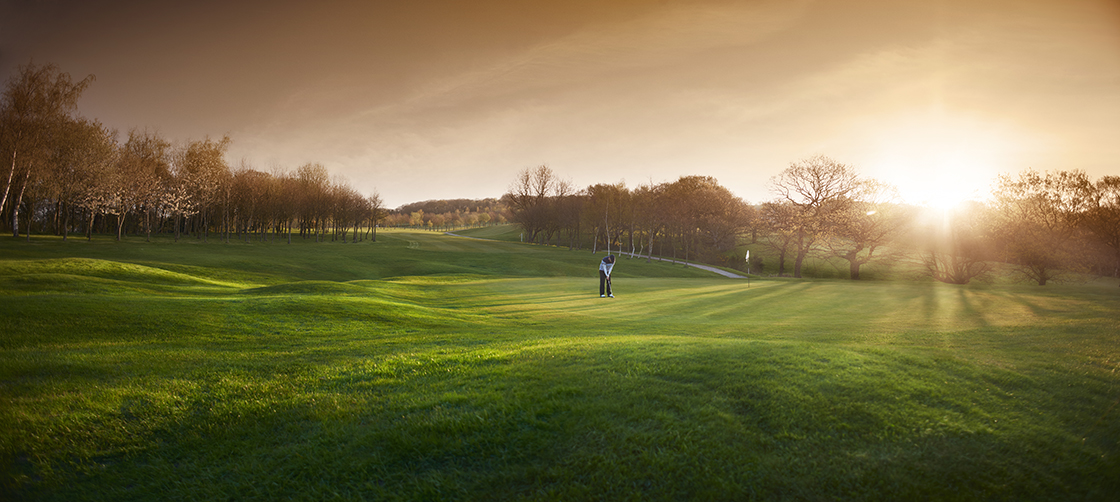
<point x="748" y="256"/>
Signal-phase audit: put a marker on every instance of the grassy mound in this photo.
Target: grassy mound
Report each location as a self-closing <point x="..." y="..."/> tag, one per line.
<point x="433" y="367"/>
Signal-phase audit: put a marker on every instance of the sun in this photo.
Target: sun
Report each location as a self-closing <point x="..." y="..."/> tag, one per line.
<point x="938" y="161"/>
<point x="946" y="181"/>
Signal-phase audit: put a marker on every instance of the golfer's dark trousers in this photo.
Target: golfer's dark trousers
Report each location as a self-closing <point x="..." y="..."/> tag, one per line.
<point x="604" y="284"/>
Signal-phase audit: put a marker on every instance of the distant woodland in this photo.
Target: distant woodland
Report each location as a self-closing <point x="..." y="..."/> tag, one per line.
<point x="1043" y="226"/>
<point x="66" y="174"/>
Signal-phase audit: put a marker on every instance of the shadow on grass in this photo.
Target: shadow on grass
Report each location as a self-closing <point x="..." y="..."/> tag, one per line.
<point x="661" y="418"/>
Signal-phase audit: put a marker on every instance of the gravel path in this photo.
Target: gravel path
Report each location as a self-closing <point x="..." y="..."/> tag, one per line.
<point x="709" y="268"/>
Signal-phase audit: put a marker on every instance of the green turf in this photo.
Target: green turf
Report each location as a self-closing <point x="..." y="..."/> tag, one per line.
<point x="432" y="367"/>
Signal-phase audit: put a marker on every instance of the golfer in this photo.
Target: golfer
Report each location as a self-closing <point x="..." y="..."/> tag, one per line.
<point x="605" y="267"/>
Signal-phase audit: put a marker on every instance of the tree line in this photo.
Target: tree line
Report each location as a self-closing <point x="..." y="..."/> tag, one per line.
<point x="449" y="214"/>
<point x="66" y="173"/>
<point x="694" y="217"/>
<point x="1042" y="226"/>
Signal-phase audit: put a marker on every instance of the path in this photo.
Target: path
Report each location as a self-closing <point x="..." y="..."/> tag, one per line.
<point x="709" y="268"/>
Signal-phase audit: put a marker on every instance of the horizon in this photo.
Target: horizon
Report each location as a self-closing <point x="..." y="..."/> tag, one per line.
<point x="443" y="100"/>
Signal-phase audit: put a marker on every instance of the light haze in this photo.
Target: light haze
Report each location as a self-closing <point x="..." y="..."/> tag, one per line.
<point x="450" y="99"/>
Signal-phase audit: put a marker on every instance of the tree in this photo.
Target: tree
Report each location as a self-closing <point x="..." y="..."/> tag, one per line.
<point x="956" y="249"/>
<point x="143" y="168"/>
<point x="287" y="209"/>
<point x="873" y="219"/>
<point x="528" y="198"/>
<point x="706" y="218"/>
<point x="1102" y="215"/>
<point x="559" y="210"/>
<point x="202" y="171"/>
<point x="78" y="168"/>
<point x="36" y="105"/>
<point x="722" y="217"/>
<point x="314" y="183"/>
<point x="606" y="212"/>
<point x="1037" y="222"/>
<point x="779" y="222"/>
<point x="569" y="213"/>
<point x="250" y="191"/>
<point x="376" y="213"/>
<point x="820" y="190"/>
<point x="647" y="217"/>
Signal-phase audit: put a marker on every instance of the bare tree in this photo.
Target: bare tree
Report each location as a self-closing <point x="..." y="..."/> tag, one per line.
<point x="1037" y="222"/>
<point x="957" y="248"/>
<point x="569" y="212"/>
<point x="314" y="183"/>
<point x="528" y="198"/>
<point x="647" y="218"/>
<point x="820" y="190"/>
<point x="287" y="209"/>
<point x="1102" y="217"/>
<point x="606" y="213"/>
<point x="779" y="223"/>
<point x="874" y="218"/>
<point x="250" y="190"/>
<point x="376" y="213"/>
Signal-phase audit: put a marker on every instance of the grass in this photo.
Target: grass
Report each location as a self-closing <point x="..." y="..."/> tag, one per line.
<point x="430" y="367"/>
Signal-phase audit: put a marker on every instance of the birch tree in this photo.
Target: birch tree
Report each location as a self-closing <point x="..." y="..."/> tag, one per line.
<point x="36" y="105"/>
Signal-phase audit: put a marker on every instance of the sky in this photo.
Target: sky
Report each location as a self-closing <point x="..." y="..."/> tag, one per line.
<point x="446" y="99"/>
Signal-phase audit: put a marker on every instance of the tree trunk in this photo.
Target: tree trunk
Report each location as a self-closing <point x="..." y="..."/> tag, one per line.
<point x="8" y="185"/>
<point x="15" y="208"/>
<point x="120" y="223"/>
<point x="801" y="252"/>
<point x="65" y="223"/>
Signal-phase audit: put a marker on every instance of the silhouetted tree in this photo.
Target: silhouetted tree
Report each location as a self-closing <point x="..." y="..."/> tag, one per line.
<point x="1037" y="222"/>
<point x="873" y="219"/>
<point x="957" y="248"/>
<point x="1102" y="215"/>
<point x="779" y="224"/>
<point x="528" y="199"/>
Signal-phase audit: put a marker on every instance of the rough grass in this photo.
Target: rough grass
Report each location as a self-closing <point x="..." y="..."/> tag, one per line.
<point x="431" y="367"/>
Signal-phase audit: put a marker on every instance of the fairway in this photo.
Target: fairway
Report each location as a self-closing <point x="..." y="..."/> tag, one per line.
<point x="434" y="367"/>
